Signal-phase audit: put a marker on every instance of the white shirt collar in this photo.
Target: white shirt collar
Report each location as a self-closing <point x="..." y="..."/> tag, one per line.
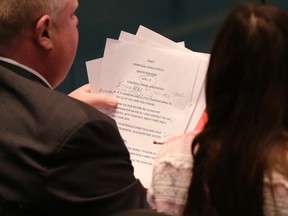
<point x="11" y="61"/>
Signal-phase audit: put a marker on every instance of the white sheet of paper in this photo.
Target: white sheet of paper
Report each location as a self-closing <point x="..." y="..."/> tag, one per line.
<point x="159" y="85"/>
<point x="94" y="66"/>
<point x="153" y="36"/>
<point x="126" y="36"/>
<point x="93" y="72"/>
<point x="152" y="86"/>
<point x="199" y="93"/>
<point x="198" y="96"/>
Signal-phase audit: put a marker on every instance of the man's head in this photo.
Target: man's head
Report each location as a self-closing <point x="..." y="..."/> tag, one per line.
<point x="41" y="34"/>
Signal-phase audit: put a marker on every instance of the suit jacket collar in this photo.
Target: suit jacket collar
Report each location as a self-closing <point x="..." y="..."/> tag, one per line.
<point x="22" y="72"/>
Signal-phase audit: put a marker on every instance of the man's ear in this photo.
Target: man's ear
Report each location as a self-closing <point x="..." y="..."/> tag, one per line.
<point x="43" y="32"/>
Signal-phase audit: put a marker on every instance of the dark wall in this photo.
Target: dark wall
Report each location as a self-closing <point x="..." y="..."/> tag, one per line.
<point x="194" y="21"/>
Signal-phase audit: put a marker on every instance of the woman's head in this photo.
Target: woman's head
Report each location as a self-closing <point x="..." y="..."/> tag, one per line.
<point x="247" y="101"/>
<point x="248" y="71"/>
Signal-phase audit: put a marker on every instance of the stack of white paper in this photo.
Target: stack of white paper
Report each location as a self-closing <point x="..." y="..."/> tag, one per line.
<point x="159" y="86"/>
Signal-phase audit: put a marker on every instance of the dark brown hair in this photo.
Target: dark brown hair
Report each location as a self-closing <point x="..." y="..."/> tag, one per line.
<point x="247" y="107"/>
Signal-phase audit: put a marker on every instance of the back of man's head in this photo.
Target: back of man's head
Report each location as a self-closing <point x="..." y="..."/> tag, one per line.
<point x="16" y="15"/>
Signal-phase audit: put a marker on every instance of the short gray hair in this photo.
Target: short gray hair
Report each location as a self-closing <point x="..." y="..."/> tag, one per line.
<point x="16" y="14"/>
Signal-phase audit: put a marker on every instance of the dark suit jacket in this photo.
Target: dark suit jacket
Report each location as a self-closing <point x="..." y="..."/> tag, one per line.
<point x="59" y="156"/>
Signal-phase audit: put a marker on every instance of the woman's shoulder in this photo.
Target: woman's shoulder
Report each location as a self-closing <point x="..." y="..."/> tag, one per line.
<point x="275" y="193"/>
<point x="176" y="151"/>
<point x="172" y="173"/>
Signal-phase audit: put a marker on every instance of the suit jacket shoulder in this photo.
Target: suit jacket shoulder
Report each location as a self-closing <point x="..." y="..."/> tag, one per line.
<point x="59" y="155"/>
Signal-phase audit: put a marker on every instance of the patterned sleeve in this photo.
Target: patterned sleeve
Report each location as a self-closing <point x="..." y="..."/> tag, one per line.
<point x="172" y="175"/>
<point x="275" y="195"/>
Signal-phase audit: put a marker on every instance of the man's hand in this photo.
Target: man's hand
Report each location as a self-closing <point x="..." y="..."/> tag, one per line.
<point x="85" y="95"/>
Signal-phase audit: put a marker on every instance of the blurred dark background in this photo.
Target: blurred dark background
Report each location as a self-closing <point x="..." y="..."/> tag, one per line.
<point x="194" y="21"/>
